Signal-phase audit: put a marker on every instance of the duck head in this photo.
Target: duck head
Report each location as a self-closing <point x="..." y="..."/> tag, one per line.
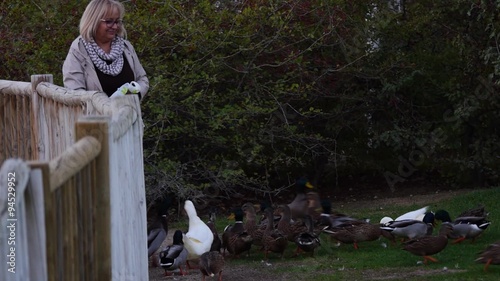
<point x="429" y="218"/>
<point x="177" y="239"/>
<point x="302" y="184"/>
<point x="442" y="215"/>
<point x="189" y="208"/>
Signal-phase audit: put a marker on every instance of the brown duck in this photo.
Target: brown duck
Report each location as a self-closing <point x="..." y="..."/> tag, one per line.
<point x="211" y="264"/>
<point x="490" y="255"/>
<point x="354" y="232"/>
<point x="429" y="245"/>
<point x="273" y="240"/>
<point x="250" y="225"/>
<point x="478" y="211"/>
<point x="286" y="226"/>
<point x="314" y="208"/>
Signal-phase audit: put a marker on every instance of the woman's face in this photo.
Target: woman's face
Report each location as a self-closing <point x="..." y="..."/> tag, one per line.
<point x="108" y="27"/>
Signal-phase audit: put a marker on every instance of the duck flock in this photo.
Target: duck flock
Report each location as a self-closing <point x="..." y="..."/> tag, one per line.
<point x="272" y="228"/>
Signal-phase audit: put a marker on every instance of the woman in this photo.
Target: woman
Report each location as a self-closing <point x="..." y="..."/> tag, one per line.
<point x="100" y="59"/>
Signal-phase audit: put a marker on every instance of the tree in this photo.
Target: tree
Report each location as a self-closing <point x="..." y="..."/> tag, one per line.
<point x="248" y="95"/>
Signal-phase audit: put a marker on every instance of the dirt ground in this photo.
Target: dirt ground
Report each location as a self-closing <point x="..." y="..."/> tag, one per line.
<point x="254" y="269"/>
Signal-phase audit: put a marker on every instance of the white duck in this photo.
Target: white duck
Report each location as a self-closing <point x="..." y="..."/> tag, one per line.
<point x="199" y="237"/>
<point x="413" y="215"/>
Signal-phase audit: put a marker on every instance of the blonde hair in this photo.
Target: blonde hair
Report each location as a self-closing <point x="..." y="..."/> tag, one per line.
<point x="97" y="10"/>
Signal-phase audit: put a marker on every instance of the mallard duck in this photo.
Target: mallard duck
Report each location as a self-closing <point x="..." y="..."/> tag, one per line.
<point x="250" y="225"/>
<point x="490" y="255"/>
<point x="327" y="220"/>
<point x="199" y="237"/>
<point x="290" y="229"/>
<point x="216" y="243"/>
<point x="478" y="211"/>
<point x="410" y="229"/>
<point x="158" y="228"/>
<point x="469" y="228"/>
<point x="307" y="241"/>
<point x="235" y="239"/>
<point x="464" y="227"/>
<point x="415" y="215"/>
<point x="412" y="215"/>
<point x="174" y="256"/>
<point x="429" y="245"/>
<point x="299" y="205"/>
<point x="157" y="233"/>
<point x="211" y="264"/>
<point x="354" y="232"/>
<point x="273" y="240"/>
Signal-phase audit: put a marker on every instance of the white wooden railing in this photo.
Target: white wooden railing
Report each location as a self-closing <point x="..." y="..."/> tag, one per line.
<point x="74" y="162"/>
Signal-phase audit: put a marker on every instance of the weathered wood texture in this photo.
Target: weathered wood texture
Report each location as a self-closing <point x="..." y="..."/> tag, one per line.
<point x="22" y="232"/>
<point x="128" y="207"/>
<point x="15" y="121"/>
<point x="88" y="149"/>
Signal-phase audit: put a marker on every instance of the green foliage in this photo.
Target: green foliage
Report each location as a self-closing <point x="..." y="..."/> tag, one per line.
<point x="438" y="89"/>
<point x="243" y="97"/>
<point x="248" y="95"/>
<point x="35" y="37"/>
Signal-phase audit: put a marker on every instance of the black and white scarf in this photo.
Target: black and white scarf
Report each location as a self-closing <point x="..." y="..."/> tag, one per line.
<point x="99" y="57"/>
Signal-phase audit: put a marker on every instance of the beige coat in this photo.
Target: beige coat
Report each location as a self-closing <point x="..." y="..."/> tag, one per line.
<point x="79" y="72"/>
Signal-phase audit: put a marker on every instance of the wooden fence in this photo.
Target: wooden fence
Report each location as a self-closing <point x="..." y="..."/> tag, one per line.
<point x="72" y="195"/>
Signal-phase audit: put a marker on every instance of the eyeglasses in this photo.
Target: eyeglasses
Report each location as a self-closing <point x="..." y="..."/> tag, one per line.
<point x="110" y="23"/>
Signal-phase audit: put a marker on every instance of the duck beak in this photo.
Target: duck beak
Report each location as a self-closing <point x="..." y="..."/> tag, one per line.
<point x="309" y="185"/>
<point x="231" y="216"/>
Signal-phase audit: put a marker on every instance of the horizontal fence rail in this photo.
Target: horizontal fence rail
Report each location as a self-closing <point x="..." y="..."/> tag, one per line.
<point x="72" y="160"/>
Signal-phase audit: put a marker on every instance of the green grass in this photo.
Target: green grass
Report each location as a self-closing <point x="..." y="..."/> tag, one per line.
<point x="372" y="261"/>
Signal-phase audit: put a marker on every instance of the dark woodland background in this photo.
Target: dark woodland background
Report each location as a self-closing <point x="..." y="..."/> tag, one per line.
<point x="246" y="96"/>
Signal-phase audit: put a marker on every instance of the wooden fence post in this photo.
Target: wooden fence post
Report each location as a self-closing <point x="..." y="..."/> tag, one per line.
<point x="98" y="127"/>
<point x="50" y="217"/>
<point x="22" y="218"/>
<point x="38" y="142"/>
